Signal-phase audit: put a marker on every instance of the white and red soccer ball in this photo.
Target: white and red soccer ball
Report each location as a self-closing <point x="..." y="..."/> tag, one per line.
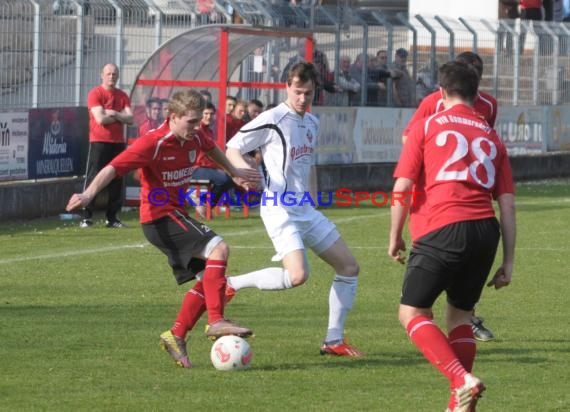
<point x="231" y="353"/>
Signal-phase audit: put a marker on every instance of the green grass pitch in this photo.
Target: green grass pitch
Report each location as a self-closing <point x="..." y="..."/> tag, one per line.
<point x="81" y="312"/>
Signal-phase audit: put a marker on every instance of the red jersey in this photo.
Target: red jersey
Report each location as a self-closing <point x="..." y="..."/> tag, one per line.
<point x="147" y="125"/>
<point x="433" y="103"/>
<point x="166" y="166"/>
<point x="458" y="163"/>
<point x="203" y="159"/>
<point x="232" y="126"/>
<point x="113" y="99"/>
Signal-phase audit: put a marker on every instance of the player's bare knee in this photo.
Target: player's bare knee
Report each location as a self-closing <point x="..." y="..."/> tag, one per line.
<point x="406" y="313"/>
<point x="298" y="277"/>
<point x="220" y="252"/>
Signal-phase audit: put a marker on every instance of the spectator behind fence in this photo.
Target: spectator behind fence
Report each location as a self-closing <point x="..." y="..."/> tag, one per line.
<point x="109" y="110"/>
<point x="356" y="73"/>
<point x="230" y="104"/>
<point x="349" y="86"/>
<point x="320" y="60"/>
<point x="164" y="112"/>
<point x="426" y="82"/>
<point x="376" y="82"/>
<point x="207" y="168"/>
<point x="326" y="83"/>
<point x="153" y="117"/>
<point x="373" y="79"/>
<point x="566" y="10"/>
<point x="207" y="11"/>
<point x="382" y="56"/>
<point x="530" y="10"/>
<point x="510" y="11"/>
<point x="553" y="10"/>
<point x="235" y="121"/>
<point x="254" y="108"/>
<point x="404" y="86"/>
<point x="206" y="95"/>
<point x="299" y="57"/>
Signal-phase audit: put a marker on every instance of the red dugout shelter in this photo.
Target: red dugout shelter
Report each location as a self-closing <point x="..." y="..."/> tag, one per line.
<point x="212" y="57"/>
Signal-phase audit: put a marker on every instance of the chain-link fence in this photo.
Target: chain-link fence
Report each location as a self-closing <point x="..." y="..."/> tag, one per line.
<point x="52" y="51"/>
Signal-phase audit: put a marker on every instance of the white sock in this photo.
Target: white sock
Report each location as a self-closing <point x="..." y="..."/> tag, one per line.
<point x="341" y="297"/>
<point x="264" y="279"/>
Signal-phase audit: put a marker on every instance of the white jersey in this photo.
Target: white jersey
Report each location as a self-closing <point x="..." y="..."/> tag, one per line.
<point x="287" y="142"/>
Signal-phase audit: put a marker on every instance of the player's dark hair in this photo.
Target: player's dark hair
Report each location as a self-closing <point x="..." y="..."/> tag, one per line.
<point x="207" y="95"/>
<point x="459" y="80"/>
<point x="152" y="100"/>
<point x="256" y="102"/>
<point x="305" y="72"/>
<point x="210" y="106"/>
<point x="473" y="59"/>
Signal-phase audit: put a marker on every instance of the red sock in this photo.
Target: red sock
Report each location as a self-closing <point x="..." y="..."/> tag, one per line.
<point x="193" y="305"/>
<point x="433" y="344"/>
<point x="214" y="281"/>
<point x="463" y="343"/>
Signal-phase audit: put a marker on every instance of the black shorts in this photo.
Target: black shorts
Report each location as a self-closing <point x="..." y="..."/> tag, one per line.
<point x="456" y="259"/>
<point x="182" y="239"/>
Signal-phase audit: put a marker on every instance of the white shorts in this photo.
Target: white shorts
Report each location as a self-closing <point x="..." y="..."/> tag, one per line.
<point x="290" y="232"/>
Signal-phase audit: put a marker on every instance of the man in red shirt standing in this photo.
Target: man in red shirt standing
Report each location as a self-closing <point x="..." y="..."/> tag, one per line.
<point x="486" y="106"/>
<point x="463" y="164"/>
<point x="109" y="110"/>
<point x="167" y="158"/>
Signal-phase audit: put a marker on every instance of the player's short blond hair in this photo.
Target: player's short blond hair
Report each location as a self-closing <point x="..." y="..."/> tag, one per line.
<point x="186" y="100"/>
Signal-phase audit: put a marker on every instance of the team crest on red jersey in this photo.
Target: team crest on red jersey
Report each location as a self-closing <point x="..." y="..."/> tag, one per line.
<point x="192" y="156"/>
<point x="309" y="136"/>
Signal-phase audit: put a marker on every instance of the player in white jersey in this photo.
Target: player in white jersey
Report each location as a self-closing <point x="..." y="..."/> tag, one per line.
<point x="287" y="136"/>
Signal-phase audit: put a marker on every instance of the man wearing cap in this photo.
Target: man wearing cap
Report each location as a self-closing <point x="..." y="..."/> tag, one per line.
<point x="404" y="86"/>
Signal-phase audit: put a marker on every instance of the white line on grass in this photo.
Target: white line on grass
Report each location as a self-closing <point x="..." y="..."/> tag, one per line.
<point x="115" y="248"/>
<point x="261" y="230"/>
<point x="72" y="253"/>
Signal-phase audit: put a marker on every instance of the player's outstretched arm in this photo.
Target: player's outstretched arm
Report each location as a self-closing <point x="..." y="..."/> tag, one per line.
<point x="398" y="213"/>
<point x="236" y="158"/>
<point x="504" y="274"/>
<point x="245" y="176"/>
<point x="100" y="181"/>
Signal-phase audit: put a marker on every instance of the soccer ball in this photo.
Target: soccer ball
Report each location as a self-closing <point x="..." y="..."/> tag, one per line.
<point x="230" y="352"/>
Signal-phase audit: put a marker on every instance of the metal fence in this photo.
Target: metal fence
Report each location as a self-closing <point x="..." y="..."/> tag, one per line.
<point x="51" y="51"/>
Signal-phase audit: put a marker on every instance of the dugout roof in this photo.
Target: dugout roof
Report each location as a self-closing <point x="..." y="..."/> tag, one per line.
<point x="208" y="57"/>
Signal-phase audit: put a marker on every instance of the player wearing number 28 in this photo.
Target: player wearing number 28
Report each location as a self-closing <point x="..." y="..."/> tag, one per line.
<point x="486" y="106"/>
<point x="461" y="164"/>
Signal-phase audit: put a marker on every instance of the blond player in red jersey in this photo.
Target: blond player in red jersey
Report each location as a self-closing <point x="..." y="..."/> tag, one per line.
<point x="486" y="106"/>
<point x="464" y="165"/>
<point x="166" y="158"/>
